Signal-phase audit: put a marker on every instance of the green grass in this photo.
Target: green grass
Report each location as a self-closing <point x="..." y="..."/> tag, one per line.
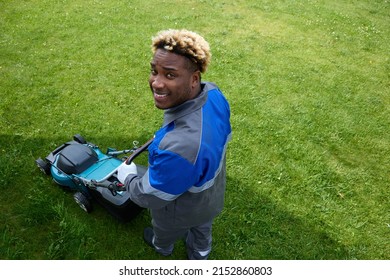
<point x="308" y="83"/>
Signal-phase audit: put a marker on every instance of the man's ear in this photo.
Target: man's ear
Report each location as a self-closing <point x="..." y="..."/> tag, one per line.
<point x="195" y="79"/>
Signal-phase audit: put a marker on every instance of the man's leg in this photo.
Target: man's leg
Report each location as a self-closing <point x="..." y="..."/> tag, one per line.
<point x="162" y="239"/>
<point x="198" y="242"/>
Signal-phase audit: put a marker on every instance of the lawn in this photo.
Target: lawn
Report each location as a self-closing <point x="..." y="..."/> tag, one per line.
<point x="308" y="84"/>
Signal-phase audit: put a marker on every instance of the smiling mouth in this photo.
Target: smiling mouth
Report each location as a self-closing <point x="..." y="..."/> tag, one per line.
<point x="159" y="95"/>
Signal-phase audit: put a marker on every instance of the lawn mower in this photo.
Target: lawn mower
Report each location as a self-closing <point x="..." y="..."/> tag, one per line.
<point x="81" y="167"/>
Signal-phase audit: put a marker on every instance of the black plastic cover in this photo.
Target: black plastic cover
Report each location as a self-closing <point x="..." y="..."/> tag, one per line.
<point x="76" y="158"/>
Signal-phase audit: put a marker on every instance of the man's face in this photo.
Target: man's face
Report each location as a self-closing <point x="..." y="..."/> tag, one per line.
<point x="171" y="81"/>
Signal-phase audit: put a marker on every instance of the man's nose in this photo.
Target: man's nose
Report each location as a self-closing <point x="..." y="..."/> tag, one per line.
<point x="157" y="82"/>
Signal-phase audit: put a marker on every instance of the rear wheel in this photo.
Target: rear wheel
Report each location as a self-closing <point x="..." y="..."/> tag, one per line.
<point x="83" y="202"/>
<point x="44" y="166"/>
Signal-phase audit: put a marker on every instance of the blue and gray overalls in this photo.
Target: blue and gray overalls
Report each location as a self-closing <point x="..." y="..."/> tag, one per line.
<point x="185" y="181"/>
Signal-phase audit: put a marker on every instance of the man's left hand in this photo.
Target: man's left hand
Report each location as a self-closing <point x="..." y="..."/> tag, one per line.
<point x="124" y="170"/>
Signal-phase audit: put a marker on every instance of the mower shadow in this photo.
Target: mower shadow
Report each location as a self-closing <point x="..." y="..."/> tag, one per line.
<point x="42" y="220"/>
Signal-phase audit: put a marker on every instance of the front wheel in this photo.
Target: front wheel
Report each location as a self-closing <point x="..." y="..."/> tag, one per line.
<point x="80" y="139"/>
<point x="43" y="166"/>
<point x="83" y="202"/>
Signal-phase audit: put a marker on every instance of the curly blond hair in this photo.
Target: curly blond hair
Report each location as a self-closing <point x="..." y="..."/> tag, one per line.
<point x="186" y="43"/>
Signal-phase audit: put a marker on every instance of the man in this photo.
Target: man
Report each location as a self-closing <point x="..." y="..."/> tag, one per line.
<point x="184" y="183"/>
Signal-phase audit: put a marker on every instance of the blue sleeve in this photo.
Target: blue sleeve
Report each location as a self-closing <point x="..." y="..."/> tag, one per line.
<point x="170" y="173"/>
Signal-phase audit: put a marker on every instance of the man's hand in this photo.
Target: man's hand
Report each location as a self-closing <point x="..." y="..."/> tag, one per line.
<point x="124" y="170"/>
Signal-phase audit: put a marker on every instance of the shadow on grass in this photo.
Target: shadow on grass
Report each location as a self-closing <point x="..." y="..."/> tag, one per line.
<point x="40" y="221"/>
<point x="251" y="226"/>
<point x="254" y="227"/>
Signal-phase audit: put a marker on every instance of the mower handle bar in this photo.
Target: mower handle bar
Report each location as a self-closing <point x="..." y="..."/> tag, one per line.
<point x="139" y="150"/>
<point x="115" y="153"/>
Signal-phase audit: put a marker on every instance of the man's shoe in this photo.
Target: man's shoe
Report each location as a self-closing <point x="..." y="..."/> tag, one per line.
<point x="148" y="236"/>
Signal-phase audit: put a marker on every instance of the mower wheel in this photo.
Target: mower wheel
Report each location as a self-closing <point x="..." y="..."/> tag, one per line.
<point x="43" y="166"/>
<point x="79" y="138"/>
<point x="83" y="202"/>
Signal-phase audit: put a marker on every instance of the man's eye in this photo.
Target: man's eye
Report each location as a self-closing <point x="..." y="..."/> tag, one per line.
<point x="170" y="76"/>
<point x="153" y="72"/>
